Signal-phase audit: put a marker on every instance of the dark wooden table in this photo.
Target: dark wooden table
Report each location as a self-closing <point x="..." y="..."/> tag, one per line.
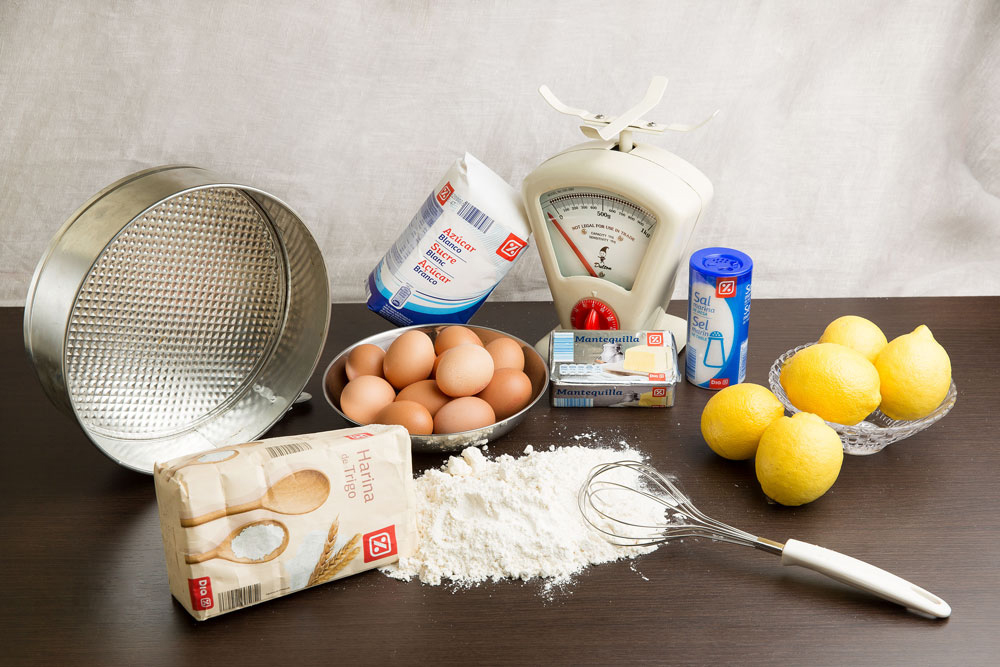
<point x="84" y="580"/>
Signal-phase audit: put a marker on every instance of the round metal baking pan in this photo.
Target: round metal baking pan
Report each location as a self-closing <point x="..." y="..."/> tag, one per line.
<point x="335" y="378"/>
<point x="177" y="311"/>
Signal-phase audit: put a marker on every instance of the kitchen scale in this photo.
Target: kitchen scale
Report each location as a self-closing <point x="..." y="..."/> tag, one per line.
<point x="612" y="219"/>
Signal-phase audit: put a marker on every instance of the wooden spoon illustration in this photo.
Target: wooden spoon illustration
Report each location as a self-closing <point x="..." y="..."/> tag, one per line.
<point x="225" y="549"/>
<point x="297" y="493"/>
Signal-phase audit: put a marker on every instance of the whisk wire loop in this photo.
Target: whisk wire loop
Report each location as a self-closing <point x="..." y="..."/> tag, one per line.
<point x="679" y="518"/>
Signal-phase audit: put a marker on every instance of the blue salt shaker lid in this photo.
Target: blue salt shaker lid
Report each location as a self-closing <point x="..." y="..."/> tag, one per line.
<point x="721" y="262"/>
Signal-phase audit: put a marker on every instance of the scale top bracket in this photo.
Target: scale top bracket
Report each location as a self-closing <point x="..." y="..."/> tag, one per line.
<point x="629" y="121"/>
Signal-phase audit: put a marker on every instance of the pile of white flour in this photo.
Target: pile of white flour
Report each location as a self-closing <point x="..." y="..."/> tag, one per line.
<point x="510" y="518"/>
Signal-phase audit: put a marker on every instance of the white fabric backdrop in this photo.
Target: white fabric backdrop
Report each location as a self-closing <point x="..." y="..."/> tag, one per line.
<point x="857" y="152"/>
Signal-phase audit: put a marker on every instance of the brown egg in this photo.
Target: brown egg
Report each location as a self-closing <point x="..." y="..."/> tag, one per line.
<point x="506" y="353"/>
<point x="434" y="368"/>
<point x="409" y="359"/>
<point x="364" y="396"/>
<point x="365" y="360"/>
<point x="464" y="370"/>
<point x="426" y="393"/>
<point x="463" y="414"/>
<point x="409" y="414"/>
<point x="450" y="337"/>
<point x="507" y="393"/>
<point x="332" y="382"/>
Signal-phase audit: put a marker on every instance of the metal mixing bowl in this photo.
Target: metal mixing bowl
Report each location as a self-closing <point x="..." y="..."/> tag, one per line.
<point x="177" y="311"/>
<point x="534" y="367"/>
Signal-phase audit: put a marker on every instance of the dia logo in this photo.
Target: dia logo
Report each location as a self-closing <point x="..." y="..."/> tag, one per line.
<point x="511" y="247"/>
<point x="725" y="287"/>
<point x="380" y="543"/>
<point x="445" y="193"/>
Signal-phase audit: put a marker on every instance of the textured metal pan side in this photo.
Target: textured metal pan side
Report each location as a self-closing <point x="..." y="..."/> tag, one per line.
<point x="195" y="324"/>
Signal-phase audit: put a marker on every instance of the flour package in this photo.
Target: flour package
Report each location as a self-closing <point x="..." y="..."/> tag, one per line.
<point x="462" y="242"/>
<point x="253" y="522"/>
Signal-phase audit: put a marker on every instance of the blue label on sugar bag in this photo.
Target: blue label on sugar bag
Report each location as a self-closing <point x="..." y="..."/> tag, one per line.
<point x="398" y="309"/>
<point x="718" y="317"/>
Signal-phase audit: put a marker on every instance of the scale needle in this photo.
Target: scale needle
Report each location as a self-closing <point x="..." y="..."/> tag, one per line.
<point x="572" y="246"/>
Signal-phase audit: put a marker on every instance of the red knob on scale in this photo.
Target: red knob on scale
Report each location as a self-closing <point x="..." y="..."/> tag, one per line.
<point x="593" y="314"/>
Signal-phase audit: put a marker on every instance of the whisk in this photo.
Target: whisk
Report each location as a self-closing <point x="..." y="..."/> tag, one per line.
<point x="671" y="515"/>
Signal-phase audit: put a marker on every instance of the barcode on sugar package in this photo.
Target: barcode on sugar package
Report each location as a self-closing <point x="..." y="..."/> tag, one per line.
<point x="275" y="451"/>
<point x="475" y="217"/>
<point x="239" y="597"/>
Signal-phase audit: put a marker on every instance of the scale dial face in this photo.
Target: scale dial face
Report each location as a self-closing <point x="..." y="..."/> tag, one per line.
<point x="597" y="233"/>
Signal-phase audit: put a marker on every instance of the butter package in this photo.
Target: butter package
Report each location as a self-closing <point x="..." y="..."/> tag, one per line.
<point x="615" y="369"/>
<point x="253" y="522"/>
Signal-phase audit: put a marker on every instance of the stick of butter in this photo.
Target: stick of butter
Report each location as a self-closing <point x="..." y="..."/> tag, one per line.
<point x="612" y="368"/>
<point x="649" y="400"/>
<point x="646" y="359"/>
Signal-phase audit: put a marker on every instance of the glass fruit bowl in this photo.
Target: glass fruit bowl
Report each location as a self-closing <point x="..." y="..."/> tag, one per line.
<point x="877" y="431"/>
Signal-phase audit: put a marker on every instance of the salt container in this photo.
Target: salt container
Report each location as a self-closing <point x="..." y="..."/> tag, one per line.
<point x="718" y="317"/>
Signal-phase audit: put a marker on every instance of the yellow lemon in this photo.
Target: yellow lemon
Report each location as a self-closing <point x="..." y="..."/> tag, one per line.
<point x="734" y="418"/>
<point x="798" y="459"/>
<point x="832" y="381"/>
<point x="856" y="333"/>
<point x="915" y="375"/>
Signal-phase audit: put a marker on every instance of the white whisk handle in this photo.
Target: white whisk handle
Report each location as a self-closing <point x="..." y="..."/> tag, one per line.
<point x="862" y="575"/>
